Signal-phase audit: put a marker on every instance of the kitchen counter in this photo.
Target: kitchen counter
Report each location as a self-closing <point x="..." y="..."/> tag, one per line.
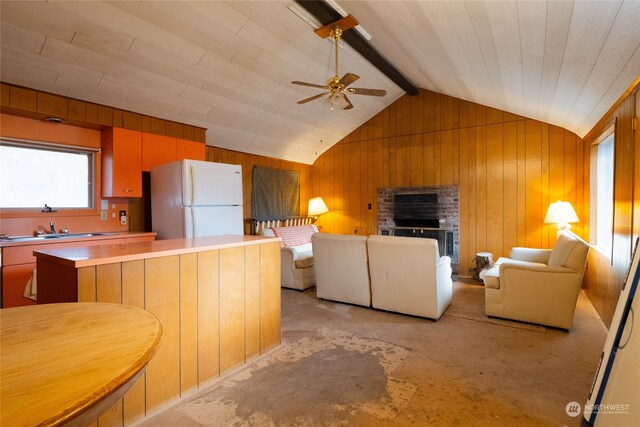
<point x="72" y="239"/>
<point x="218" y="299"/>
<point x="18" y="261"/>
<point x="106" y="254"/>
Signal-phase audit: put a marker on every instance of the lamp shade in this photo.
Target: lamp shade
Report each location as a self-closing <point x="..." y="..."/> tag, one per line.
<point x="317" y="206"/>
<point x="561" y="213"/>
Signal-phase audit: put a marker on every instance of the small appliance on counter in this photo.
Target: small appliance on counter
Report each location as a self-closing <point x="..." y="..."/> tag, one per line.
<point x="191" y="198"/>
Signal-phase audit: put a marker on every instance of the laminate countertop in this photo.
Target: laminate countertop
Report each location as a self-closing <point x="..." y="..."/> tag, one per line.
<point x="107" y="254"/>
<point x="68" y="363"/>
<point x="101" y="235"/>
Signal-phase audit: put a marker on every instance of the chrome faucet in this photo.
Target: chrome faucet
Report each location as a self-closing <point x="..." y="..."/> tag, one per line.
<point x="53" y="228"/>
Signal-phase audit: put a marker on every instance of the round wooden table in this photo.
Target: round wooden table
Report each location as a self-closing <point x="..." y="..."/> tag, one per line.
<point x="64" y="363"/>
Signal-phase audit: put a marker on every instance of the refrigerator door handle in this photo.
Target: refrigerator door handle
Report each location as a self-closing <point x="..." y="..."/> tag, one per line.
<point x="191" y="187"/>
<point x="193" y="223"/>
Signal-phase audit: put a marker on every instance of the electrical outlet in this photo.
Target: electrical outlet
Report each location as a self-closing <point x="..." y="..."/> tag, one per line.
<point x="103" y="215"/>
<point x="123" y="217"/>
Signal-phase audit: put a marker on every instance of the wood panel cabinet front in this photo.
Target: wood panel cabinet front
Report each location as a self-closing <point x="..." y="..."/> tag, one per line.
<point x="157" y="150"/>
<point x="121" y="163"/>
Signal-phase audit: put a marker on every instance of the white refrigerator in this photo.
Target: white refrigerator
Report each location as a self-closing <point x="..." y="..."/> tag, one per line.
<point x="191" y="198"/>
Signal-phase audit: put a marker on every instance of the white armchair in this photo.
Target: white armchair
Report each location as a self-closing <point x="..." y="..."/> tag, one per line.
<point x="409" y="276"/>
<point x="296" y="262"/>
<point x="342" y="272"/>
<point x="538" y="285"/>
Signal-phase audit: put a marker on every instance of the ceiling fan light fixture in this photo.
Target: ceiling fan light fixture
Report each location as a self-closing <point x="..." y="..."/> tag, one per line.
<point x="336" y="87"/>
<point x="329" y="102"/>
<point x="343" y="102"/>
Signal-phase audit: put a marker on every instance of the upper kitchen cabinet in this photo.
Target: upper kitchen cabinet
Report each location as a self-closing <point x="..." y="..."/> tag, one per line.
<point x="157" y="150"/>
<point x="190" y="150"/>
<point x="121" y="163"/>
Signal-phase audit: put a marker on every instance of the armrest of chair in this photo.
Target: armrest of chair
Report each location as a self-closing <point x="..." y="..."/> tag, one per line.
<point x="292" y="251"/>
<point x="537" y="294"/>
<point x="443" y="270"/>
<point x="530" y="255"/>
<point x="551" y="279"/>
<point x="443" y="261"/>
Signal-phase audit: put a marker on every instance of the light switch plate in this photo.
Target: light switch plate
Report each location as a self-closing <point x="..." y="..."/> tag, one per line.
<point x="104" y="205"/>
<point x="103" y="215"/>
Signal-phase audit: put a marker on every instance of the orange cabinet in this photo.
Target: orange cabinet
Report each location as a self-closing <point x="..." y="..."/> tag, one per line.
<point x="157" y="150"/>
<point x="190" y="150"/>
<point x="121" y="163"/>
<point x="14" y="280"/>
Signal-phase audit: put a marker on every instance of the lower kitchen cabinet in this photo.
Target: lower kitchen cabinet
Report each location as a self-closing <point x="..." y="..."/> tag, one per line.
<point x="14" y="280"/>
<point x="18" y="262"/>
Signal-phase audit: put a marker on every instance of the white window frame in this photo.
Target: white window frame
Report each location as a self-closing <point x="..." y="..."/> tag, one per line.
<point x="608" y="134"/>
<point x="55" y="147"/>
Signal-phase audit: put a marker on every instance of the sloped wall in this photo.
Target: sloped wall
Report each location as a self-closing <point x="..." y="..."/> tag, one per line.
<point x="508" y="168"/>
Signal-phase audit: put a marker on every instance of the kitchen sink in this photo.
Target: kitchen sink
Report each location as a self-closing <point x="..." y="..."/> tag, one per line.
<point x="83" y="235"/>
<point x="52" y="236"/>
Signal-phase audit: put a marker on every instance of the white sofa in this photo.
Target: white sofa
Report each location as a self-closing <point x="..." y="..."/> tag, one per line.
<point x="538" y="285"/>
<point x="409" y="276"/>
<point x="296" y="261"/>
<point x="342" y="272"/>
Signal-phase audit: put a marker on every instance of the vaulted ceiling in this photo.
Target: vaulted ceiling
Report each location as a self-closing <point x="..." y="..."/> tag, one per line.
<point x="227" y="66"/>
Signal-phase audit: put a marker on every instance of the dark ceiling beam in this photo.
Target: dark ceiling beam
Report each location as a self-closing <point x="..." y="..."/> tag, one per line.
<point x="325" y="14"/>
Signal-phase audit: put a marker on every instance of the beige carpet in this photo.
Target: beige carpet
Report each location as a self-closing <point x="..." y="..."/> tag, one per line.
<point x="347" y="365"/>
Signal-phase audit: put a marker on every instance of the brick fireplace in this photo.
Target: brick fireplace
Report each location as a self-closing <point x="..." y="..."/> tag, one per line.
<point x="432" y="212"/>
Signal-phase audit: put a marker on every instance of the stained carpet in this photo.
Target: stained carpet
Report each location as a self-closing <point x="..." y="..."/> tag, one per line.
<point x="346" y="365"/>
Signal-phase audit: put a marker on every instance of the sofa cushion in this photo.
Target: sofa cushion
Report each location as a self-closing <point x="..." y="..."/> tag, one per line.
<point x="294" y="236"/>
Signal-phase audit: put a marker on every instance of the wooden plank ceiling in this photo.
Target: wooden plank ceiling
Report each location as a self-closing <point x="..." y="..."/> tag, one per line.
<point x="227" y="66"/>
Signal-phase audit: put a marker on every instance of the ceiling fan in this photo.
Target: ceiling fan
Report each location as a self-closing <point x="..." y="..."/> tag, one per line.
<point x="337" y="88"/>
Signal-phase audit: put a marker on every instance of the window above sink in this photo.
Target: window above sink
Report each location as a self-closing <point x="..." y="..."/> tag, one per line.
<point x="33" y="174"/>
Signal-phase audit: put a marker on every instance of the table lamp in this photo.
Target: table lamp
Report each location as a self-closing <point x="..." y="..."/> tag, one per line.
<point x="561" y="213"/>
<point x="317" y="207"/>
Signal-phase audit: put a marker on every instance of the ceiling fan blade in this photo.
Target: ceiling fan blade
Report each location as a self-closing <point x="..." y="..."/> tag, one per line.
<point x="309" y="84"/>
<point x="304" y="101"/>
<point x="348" y="78"/>
<point x="349" y="104"/>
<point x="370" y="92"/>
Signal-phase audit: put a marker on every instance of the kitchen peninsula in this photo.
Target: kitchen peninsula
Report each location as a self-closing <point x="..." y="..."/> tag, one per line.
<point x="218" y="299"/>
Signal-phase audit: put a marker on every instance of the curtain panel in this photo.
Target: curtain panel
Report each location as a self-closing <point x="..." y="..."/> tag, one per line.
<point x="275" y="193"/>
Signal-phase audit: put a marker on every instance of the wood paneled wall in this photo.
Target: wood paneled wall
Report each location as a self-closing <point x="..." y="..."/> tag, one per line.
<point x="508" y="169"/>
<point x="605" y="277"/>
<point x="248" y="161"/>
<point x="37" y="104"/>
